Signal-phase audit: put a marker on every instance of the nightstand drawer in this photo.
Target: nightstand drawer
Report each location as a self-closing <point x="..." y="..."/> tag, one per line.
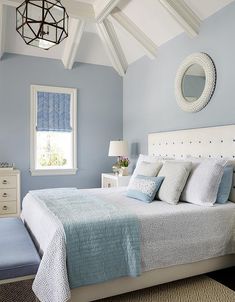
<point x="109" y="183"/>
<point x="7" y="194"/>
<point x="110" y="180"/>
<point x="8" y="208"/>
<point x="7" y="182"/>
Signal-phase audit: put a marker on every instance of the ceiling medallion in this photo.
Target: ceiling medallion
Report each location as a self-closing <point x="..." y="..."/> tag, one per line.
<point x="42" y="23"/>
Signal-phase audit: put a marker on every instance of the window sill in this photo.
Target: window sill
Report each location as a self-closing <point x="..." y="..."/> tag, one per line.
<point x="53" y="172"/>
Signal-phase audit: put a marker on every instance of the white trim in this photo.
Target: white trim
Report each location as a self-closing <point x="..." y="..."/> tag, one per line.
<point x="53" y="172"/>
<point x="184" y="15"/>
<point x="33" y="119"/>
<point x="76" y="29"/>
<point x="2" y="29"/>
<point x="208" y="66"/>
<point x="103" y="8"/>
<point x="145" y="42"/>
<point x="113" y="47"/>
<point x="7" y="281"/>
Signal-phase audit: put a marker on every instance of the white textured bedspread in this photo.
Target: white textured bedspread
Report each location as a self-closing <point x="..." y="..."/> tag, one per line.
<point x="170" y="235"/>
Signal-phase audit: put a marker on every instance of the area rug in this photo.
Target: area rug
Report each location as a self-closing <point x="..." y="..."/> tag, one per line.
<point x="196" y="289"/>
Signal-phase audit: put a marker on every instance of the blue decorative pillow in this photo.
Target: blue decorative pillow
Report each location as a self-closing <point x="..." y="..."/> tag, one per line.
<point x="225" y="185"/>
<point x="144" y="188"/>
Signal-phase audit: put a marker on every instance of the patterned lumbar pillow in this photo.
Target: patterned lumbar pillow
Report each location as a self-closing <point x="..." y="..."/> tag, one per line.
<point x="144" y="188"/>
<point x="175" y="175"/>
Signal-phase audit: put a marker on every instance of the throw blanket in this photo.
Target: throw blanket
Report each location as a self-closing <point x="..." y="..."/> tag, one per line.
<point x="102" y="239"/>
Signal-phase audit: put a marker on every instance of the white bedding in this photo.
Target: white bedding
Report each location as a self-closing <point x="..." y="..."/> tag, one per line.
<point x="170" y="235"/>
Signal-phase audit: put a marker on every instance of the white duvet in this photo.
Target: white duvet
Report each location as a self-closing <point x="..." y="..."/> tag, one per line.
<point x="170" y="235"/>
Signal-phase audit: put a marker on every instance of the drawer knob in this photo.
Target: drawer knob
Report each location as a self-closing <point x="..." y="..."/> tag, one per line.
<point x="4" y="182"/>
<point x="4" y="208"/>
<point x="4" y="195"/>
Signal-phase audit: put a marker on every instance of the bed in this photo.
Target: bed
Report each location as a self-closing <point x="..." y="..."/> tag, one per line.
<point x="206" y="244"/>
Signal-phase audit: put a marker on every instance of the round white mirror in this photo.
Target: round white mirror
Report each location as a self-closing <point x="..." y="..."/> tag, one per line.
<point x="195" y="82"/>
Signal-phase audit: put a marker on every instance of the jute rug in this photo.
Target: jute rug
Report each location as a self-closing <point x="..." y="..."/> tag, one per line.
<point x="196" y="289"/>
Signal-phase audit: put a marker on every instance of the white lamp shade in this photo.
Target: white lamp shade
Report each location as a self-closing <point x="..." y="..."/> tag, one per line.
<point x="118" y="148"/>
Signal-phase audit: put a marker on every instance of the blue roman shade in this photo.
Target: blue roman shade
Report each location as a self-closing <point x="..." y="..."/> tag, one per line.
<point x="53" y="112"/>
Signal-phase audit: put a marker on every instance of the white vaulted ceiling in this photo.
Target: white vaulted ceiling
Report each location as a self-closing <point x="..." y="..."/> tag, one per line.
<point x="151" y="23"/>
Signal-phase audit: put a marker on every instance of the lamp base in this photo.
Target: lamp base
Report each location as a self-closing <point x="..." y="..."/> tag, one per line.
<point x="115" y="168"/>
<point x="123" y="171"/>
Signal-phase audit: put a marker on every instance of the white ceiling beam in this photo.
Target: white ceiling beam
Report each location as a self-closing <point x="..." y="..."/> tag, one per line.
<point x="114" y="50"/>
<point x="76" y="29"/>
<point x="147" y="44"/>
<point x="103" y="8"/>
<point x="79" y="10"/>
<point x="2" y="29"/>
<point x="75" y="9"/>
<point x="13" y="3"/>
<point x="184" y="15"/>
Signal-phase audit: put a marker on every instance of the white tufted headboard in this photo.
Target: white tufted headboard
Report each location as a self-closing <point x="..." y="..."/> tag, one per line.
<point x="210" y="142"/>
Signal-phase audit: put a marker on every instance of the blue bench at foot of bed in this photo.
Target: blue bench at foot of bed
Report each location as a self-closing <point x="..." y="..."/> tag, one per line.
<point x="18" y="256"/>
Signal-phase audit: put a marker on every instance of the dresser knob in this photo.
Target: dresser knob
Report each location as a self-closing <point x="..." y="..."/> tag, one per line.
<point x="4" y="208"/>
<point x="4" y="182"/>
<point x="4" y="195"/>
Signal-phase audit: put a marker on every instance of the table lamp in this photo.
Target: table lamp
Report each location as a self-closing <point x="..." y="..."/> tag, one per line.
<point x="118" y="149"/>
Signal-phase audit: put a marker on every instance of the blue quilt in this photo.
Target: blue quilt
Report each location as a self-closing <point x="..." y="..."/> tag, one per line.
<point x="102" y="239"/>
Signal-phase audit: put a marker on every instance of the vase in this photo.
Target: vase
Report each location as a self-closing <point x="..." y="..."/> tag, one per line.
<point x="123" y="171"/>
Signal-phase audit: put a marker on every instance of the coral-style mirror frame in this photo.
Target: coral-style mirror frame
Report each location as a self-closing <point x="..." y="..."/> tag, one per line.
<point x="205" y="61"/>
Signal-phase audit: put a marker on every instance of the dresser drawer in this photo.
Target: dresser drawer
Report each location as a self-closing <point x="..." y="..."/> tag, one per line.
<point x="7" y="182"/>
<point x="8" y="208"/>
<point x="7" y="194"/>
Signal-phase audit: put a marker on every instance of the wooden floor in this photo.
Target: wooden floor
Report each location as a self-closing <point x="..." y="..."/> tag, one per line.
<point x="226" y="277"/>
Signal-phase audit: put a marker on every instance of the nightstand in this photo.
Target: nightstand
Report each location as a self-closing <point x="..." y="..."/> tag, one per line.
<point x="110" y="180"/>
<point x="9" y="193"/>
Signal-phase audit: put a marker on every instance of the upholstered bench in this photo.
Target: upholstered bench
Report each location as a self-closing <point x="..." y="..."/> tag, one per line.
<point x="19" y="259"/>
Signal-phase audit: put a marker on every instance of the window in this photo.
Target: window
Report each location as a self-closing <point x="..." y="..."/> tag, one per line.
<point x="53" y="130"/>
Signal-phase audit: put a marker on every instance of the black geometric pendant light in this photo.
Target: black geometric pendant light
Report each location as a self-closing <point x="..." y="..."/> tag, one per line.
<point x="42" y="23"/>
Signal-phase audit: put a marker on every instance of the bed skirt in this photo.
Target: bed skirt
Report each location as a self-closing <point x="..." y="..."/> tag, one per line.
<point x="150" y="278"/>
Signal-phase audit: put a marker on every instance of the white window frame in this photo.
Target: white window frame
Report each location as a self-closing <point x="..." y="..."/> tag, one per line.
<point x="33" y="132"/>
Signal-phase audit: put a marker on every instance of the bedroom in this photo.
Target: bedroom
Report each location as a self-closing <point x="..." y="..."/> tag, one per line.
<point x="116" y="101"/>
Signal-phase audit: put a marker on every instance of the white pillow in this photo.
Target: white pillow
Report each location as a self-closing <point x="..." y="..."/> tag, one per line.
<point x="203" y="183"/>
<point x="148" y="158"/>
<point x="149" y="169"/>
<point x="175" y="175"/>
<point x="143" y="169"/>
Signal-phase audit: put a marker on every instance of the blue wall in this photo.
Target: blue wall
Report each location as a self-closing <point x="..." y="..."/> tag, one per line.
<point x="99" y="116"/>
<point x="149" y="100"/>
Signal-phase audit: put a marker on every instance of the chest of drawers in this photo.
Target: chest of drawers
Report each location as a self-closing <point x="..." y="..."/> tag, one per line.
<point x="9" y="193"/>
